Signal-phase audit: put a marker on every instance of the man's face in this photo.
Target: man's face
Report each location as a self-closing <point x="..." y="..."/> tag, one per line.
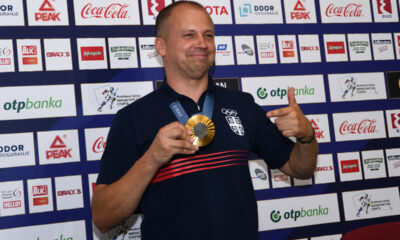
<point x="188" y="49"/>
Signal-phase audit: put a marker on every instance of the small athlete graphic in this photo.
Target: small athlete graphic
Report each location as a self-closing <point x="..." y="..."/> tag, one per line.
<point x="350" y="84"/>
<point x="109" y="96"/>
<point x="365" y="203"/>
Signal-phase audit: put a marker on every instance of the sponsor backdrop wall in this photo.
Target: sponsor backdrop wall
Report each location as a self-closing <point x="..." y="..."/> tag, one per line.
<point x="66" y="67"/>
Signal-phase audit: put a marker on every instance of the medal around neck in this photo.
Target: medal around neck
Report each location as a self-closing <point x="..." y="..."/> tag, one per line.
<point x="201" y="125"/>
<point x="203" y="129"/>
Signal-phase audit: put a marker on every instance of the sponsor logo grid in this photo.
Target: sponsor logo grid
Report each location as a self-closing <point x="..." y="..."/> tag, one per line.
<point x="125" y="53"/>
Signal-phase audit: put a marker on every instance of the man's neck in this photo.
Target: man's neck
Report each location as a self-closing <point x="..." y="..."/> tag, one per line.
<point x="191" y="88"/>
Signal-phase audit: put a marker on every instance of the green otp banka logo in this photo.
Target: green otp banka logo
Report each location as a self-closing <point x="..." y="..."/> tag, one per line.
<point x="263" y="93"/>
<point x="29" y="104"/>
<point x="276" y="216"/>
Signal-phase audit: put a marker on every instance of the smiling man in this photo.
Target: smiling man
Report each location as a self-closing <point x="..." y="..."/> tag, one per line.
<point x="180" y="154"/>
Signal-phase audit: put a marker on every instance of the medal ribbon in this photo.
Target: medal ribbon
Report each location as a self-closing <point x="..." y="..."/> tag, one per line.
<point x="181" y="115"/>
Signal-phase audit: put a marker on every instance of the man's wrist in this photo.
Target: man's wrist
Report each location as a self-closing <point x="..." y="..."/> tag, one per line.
<point x="305" y="140"/>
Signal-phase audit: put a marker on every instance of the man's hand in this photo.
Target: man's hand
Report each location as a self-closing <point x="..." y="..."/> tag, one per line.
<point x="171" y="139"/>
<point x="291" y="120"/>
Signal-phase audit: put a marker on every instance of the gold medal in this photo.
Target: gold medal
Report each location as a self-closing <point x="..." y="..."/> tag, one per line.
<point x="203" y="129"/>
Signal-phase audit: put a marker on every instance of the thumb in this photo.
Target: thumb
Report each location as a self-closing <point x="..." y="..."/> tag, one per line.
<point x="291" y="98"/>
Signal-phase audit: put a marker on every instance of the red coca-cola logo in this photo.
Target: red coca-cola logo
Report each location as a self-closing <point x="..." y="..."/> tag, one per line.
<point x="99" y="145"/>
<point x="114" y="10"/>
<point x="351" y="10"/>
<point x="366" y="126"/>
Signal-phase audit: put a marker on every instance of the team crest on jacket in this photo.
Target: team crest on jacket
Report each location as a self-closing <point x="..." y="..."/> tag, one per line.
<point x="233" y="121"/>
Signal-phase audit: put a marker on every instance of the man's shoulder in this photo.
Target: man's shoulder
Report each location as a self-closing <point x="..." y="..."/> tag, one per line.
<point x="233" y="95"/>
<point x="143" y="104"/>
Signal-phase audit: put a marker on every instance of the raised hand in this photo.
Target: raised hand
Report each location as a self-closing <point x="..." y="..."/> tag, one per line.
<point x="291" y="121"/>
<point x="170" y="140"/>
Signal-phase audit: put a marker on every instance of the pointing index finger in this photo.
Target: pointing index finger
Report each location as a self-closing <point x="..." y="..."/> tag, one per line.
<point x="278" y="112"/>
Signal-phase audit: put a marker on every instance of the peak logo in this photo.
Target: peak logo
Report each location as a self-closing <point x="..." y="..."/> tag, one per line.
<point x="300" y="12"/>
<point x="155" y="6"/>
<point x="47" y="12"/>
<point x="319" y="134"/>
<point x="59" y="149"/>
<point x="294" y="215"/>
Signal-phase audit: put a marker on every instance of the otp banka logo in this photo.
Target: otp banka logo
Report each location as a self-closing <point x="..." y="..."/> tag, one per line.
<point x="30" y="104"/>
<point x="294" y="215"/>
<point x="262" y="93"/>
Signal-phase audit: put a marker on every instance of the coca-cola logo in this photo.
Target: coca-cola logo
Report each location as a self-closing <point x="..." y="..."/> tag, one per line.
<point x="113" y="11"/>
<point x="366" y="126"/>
<point x="350" y="10"/>
<point x="99" y="145"/>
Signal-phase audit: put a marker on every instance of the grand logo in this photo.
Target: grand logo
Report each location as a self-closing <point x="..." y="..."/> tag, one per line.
<point x="350" y="10"/>
<point x="113" y="10"/>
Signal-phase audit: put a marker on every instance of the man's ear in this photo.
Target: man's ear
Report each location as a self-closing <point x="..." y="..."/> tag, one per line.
<point x="160" y="45"/>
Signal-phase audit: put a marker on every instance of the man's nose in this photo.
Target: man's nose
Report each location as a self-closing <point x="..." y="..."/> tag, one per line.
<point x="202" y="42"/>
